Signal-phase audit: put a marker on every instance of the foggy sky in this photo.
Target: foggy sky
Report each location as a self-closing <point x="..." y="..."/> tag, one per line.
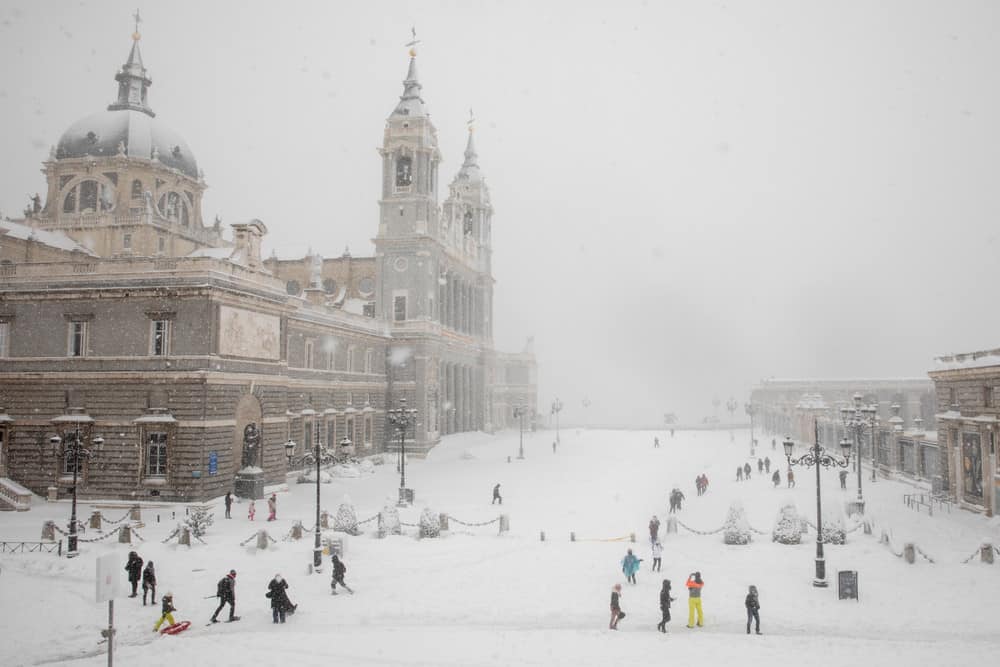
<point x="689" y="196"/>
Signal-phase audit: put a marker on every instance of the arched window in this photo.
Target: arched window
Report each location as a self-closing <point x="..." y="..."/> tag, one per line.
<point x="173" y="207"/>
<point x="89" y="197"/>
<point x="404" y="171"/>
<point x="467" y="222"/>
<point x="69" y="203"/>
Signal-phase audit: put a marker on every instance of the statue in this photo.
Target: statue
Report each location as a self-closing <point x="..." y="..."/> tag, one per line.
<point x="36" y="204"/>
<point x="251" y="443"/>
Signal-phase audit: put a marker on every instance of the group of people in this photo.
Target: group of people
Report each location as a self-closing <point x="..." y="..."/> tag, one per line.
<point x="676" y="498"/>
<point x="743" y="472"/>
<point x="701" y="484"/>
<point x="696" y="618"/>
<point x="272" y="507"/>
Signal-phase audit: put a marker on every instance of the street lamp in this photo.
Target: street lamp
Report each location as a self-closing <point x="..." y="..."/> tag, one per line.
<point x="557" y="407"/>
<point x="751" y="409"/>
<point x="855" y="420"/>
<point x="519" y="412"/>
<point x="817" y="456"/>
<point x="401" y="418"/>
<point x="75" y="427"/>
<point x="319" y="456"/>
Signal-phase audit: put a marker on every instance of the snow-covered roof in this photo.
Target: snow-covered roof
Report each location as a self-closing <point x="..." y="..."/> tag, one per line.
<point x="980" y="359"/>
<point x="214" y="253"/>
<point x="58" y="240"/>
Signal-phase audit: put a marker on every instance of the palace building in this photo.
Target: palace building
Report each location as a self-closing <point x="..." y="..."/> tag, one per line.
<point x="123" y="315"/>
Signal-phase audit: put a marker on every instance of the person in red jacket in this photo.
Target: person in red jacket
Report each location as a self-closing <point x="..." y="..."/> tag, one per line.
<point x="694" y="585"/>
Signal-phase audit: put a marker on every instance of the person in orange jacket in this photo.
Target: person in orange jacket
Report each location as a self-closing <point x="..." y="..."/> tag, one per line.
<point x="694" y="585"/>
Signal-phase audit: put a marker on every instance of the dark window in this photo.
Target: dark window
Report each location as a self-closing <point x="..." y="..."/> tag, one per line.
<point x="293" y="287"/>
<point x="331" y="433"/>
<point x="156" y="454"/>
<point x="4" y="339"/>
<point x="399" y="308"/>
<point x="68" y="461"/>
<point x="160" y="338"/>
<point x="467" y="222"/>
<point x="404" y="171"/>
<point x="329" y="285"/>
<point x="307" y="436"/>
<point x="88" y="196"/>
<point x="988" y="397"/>
<point x="127" y="241"/>
<point x="136" y="189"/>
<point x="69" y="203"/>
<point x="368" y="310"/>
<point x="77" y="339"/>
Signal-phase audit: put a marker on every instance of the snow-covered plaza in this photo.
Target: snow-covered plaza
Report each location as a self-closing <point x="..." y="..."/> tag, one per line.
<point x="476" y="597"/>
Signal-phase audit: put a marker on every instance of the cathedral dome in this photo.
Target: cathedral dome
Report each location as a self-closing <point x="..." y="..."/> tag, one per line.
<point x="128" y="132"/>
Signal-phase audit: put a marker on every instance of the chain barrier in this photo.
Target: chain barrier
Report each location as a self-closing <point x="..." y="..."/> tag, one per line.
<point x="474" y="525"/>
<point x="128" y="513"/>
<point x="102" y="537"/>
<point x="408" y="525"/>
<point x="136" y="533"/>
<point x="856" y="527"/>
<point x="273" y="541"/>
<point x="170" y="536"/>
<point x="247" y="541"/>
<point x="699" y="532"/>
<point x="759" y="532"/>
<point x="369" y="519"/>
<point x="974" y="554"/>
<point x="80" y="528"/>
<point x="922" y="554"/>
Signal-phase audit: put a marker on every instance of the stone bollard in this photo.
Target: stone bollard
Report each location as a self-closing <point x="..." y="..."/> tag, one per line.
<point x="297" y="530"/>
<point x="543" y="535"/>
<point x="631" y="538"/>
<point x="572" y="537"/>
<point x="184" y="537"/>
<point x="49" y="531"/>
<point x="52" y="494"/>
<point x="262" y="539"/>
<point x="443" y="521"/>
<point x="125" y="534"/>
<point x="671" y="524"/>
<point x="909" y="553"/>
<point x="883" y="538"/>
<point x="95" y="520"/>
<point x="324" y="519"/>
<point x="504" y="523"/>
<point x="867" y="527"/>
<point x="135" y="513"/>
<point x="986" y="550"/>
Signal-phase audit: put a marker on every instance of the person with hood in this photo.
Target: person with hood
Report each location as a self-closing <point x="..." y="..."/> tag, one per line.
<point x="272" y="508"/>
<point x="616" y="609"/>
<point x="694" y="585"/>
<point x="657" y="556"/>
<point x="168" y="610"/>
<point x="149" y="583"/>
<point x="654" y="529"/>
<point x="226" y="592"/>
<point x="339" y="570"/>
<point x="630" y="565"/>
<point x="280" y="604"/>
<point x="665" y="601"/>
<point x="134" y="569"/>
<point x="753" y="606"/>
<point x="776" y="478"/>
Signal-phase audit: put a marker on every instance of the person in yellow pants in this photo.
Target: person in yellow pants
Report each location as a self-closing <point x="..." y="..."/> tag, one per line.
<point x="694" y="586"/>
<point x="168" y="608"/>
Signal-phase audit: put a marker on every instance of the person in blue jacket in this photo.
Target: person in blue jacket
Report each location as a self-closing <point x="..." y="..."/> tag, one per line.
<point x="630" y="565"/>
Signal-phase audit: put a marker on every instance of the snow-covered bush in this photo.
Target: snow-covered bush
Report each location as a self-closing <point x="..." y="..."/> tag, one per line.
<point x="834" y="532"/>
<point x="346" y="520"/>
<point x="786" y="528"/>
<point x="736" y="530"/>
<point x="367" y="466"/>
<point x="198" y="521"/>
<point x="430" y="524"/>
<point x="389" y="521"/>
<point x="345" y="470"/>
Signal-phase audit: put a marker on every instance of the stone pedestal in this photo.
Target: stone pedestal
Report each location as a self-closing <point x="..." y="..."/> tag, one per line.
<point x="95" y="520"/>
<point x="986" y="553"/>
<point x="324" y="519"/>
<point x="135" y="513"/>
<point x="250" y="483"/>
<point x="184" y="537"/>
<point x="52" y="494"/>
<point x="125" y="535"/>
<point x="854" y="507"/>
<point x="297" y="530"/>
<point x="262" y="539"/>
<point x="671" y="524"/>
<point x="909" y="553"/>
<point x="443" y="521"/>
<point x="49" y="531"/>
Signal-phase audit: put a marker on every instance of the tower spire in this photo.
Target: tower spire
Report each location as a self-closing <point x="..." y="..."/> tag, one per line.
<point x="410" y="102"/>
<point x="133" y="83"/>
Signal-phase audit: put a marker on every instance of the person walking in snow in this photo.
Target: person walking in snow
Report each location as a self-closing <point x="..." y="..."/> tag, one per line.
<point x="252" y="510"/>
<point x="704" y="483"/>
<point x="791" y="478"/>
<point x="678" y="497"/>
<point x="746" y="471"/>
<point x="694" y="585"/>
<point x="753" y="606"/>
<point x="767" y="464"/>
<point x="654" y="529"/>
<point x="149" y="583"/>
<point x="776" y="478"/>
<point x="657" y="556"/>
<point x="167" y="611"/>
<point x="656" y="442"/>
<point x="134" y="569"/>
<point x="226" y="592"/>
<point x="229" y="504"/>
<point x="843" y="479"/>
<point x="630" y="565"/>
<point x="616" y="609"/>
<point x="665" y="601"/>
<point x="739" y="473"/>
<point x="760" y="466"/>
<point x="339" y="570"/>
<point x="280" y="604"/>
<point x="772" y="443"/>
<point x="272" y="508"/>
<point x="496" y="494"/>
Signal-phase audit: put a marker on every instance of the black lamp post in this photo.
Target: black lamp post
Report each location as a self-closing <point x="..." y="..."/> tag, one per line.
<point x="817" y="456"/>
<point x="749" y="407"/>
<point x="319" y="456"/>
<point x="75" y="427"/>
<point x="557" y="407"/>
<point x="519" y="416"/>
<point x="856" y="420"/>
<point x="401" y="418"/>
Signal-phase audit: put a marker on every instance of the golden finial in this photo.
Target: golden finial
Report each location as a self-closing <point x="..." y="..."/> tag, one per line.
<point x="412" y="44"/>
<point x="135" y="35"/>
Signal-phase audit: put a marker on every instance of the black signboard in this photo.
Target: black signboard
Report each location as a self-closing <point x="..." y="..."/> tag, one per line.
<point x="847" y="584"/>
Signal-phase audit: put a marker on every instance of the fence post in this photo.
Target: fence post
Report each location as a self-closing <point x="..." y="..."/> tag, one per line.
<point x="986" y="552"/>
<point x="95" y="520"/>
<point x="631" y="538"/>
<point x="297" y="530"/>
<point x="504" y="523"/>
<point x="324" y="519"/>
<point x="262" y="539"/>
<point x="60" y="547"/>
<point x="443" y="521"/>
<point x="185" y="536"/>
<point x="909" y="553"/>
<point x="135" y="513"/>
<point x="125" y="534"/>
<point x="543" y="536"/>
<point x="572" y="537"/>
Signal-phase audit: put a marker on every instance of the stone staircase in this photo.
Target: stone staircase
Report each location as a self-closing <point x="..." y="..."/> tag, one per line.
<point x="13" y="496"/>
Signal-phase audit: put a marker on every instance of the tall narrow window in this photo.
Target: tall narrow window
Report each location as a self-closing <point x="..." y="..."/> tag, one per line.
<point x="77" y="339"/>
<point x="127" y="241"/>
<point x="350" y="360"/>
<point x="368" y="431"/>
<point x="4" y="339"/>
<point x="307" y="435"/>
<point x="156" y="454"/>
<point x="350" y="429"/>
<point x="399" y="308"/>
<point x="161" y="245"/>
<point x="331" y="433"/>
<point x="136" y="189"/>
<point x="159" y="338"/>
<point x="368" y="361"/>
<point x="404" y="171"/>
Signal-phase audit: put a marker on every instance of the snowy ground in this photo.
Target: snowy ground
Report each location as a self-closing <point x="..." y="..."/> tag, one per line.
<point x="476" y="598"/>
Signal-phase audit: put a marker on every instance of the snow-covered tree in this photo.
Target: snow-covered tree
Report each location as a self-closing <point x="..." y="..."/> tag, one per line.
<point x="736" y="529"/>
<point x="346" y="520"/>
<point x="389" y="521"/>
<point x="786" y="528"/>
<point x="430" y="524"/>
<point x="198" y="520"/>
<point x="834" y="532"/>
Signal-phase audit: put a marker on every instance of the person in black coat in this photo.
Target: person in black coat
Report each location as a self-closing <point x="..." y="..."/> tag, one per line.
<point x="339" y="570"/>
<point x="665" y="601"/>
<point x="280" y="604"/>
<point x="753" y="606"/>
<point x="134" y="569"/>
<point x="149" y="583"/>
<point x="226" y="592"/>
<point x="229" y="504"/>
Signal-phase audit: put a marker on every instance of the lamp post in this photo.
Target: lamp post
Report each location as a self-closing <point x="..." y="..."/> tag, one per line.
<point x="750" y="409"/>
<point x="75" y="427"/>
<point x="557" y="407"/>
<point x="817" y="456"/>
<point x="401" y="418"/>
<point x="856" y="419"/>
<point x="318" y="457"/>
<point x="519" y="411"/>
